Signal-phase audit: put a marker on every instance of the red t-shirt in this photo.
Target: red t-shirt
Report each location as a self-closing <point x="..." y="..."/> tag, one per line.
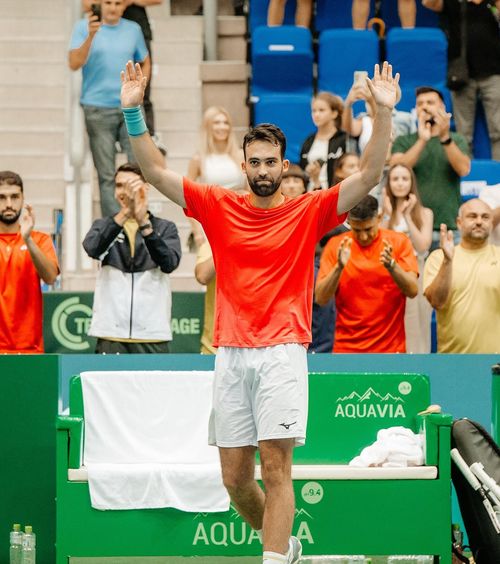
<point x="264" y="262"/>
<point x="20" y="293"/>
<point x="370" y="306"/>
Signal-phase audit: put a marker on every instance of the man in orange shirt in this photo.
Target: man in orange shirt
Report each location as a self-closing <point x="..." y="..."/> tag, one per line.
<point x="370" y="271"/>
<point x="263" y="246"/>
<point x="25" y="257"/>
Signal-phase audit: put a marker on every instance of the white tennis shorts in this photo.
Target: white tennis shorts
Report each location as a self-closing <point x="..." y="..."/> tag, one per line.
<point x="259" y="394"/>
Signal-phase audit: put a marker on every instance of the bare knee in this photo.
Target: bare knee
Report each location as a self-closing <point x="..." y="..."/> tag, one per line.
<point x="237" y="484"/>
<point x="275" y="473"/>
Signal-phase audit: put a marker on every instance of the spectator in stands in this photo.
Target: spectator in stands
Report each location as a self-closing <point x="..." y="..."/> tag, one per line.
<point x="370" y="271"/>
<point x="346" y="165"/>
<point x="136" y="251"/>
<point x="294" y="182"/>
<point x="437" y="156"/>
<point x="320" y="151"/>
<point x="26" y="256"/>
<point x="276" y="12"/>
<point x="403" y="212"/>
<point x="482" y="60"/>
<point x="462" y="282"/>
<point x="407" y="11"/>
<point x="101" y="49"/>
<point x="218" y="160"/>
<point x="136" y="12"/>
<point x="361" y="126"/>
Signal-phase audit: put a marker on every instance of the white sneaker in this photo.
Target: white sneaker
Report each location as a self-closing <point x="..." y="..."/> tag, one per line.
<point x="295" y="550"/>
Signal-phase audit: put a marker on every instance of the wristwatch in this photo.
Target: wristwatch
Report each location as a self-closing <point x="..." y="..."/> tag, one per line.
<point x="392" y="264"/>
<point x="446" y="141"/>
<point x="145" y="227"/>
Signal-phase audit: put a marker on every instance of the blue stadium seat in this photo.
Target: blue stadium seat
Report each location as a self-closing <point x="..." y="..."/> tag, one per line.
<point x="334" y="14"/>
<point x="341" y="52"/>
<point x="292" y="113"/>
<point x="482" y="170"/>
<point x="282" y="61"/>
<point x="420" y="56"/>
<point x="257" y="13"/>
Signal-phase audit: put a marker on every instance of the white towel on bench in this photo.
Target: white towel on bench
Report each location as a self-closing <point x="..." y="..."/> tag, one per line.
<point x="146" y="441"/>
<point x="395" y="447"/>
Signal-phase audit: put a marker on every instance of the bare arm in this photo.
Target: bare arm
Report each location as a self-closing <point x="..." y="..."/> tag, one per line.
<point x="326" y="288"/>
<point x="438" y="291"/>
<point x="146" y="67"/>
<point x="459" y="162"/>
<point x="434" y="5"/>
<point x="78" y="57"/>
<point x="496" y="217"/>
<point x="148" y="156"/>
<point x="357" y="186"/>
<point x="205" y="271"/>
<point x="405" y="281"/>
<point x="421" y="238"/>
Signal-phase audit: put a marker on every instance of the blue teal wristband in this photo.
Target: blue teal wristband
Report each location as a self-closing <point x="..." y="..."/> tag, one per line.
<point x="134" y="120"/>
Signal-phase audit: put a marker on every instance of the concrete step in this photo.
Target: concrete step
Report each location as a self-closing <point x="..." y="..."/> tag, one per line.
<point x="41" y="10"/>
<point x="30" y="73"/>
<point x="176" y="76"/>
<point x="32" y="117"/>
<point x="176" y="98"/>
<point x="175" y="119"/>
<point x="30" y="139"/>
<point x="33" y="26"/>
<point x="34" y="97"/>
<point x="188" y="52"/>
<point x="28" y="49"/>
<point x="176" y="28"/>
<point x="35" y="162"/>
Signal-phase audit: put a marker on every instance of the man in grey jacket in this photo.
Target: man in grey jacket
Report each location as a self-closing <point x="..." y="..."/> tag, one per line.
<point x="137" y="251"/>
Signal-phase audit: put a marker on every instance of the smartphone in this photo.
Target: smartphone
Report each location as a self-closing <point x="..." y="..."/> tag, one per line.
<point x="360" y="77"/>
<point x="96" y="10"/>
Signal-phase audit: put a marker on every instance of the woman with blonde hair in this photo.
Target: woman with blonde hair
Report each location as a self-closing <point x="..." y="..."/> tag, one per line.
<point x="218" y="160"/>
<point x="320" y="151"/>
<point x="403" y="211"/>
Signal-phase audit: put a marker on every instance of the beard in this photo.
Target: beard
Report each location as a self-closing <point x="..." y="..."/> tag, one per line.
<point x="9" y="220"/>
<point x="267" y="189"/>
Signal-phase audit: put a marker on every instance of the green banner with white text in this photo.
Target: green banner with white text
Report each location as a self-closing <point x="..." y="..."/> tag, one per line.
<point x="67" y="318"/>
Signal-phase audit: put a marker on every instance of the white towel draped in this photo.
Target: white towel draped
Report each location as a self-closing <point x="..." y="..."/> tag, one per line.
<point x="146" y="441"/>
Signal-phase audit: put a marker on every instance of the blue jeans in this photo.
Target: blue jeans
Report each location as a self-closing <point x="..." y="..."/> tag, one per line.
<point x="105" y="126"/>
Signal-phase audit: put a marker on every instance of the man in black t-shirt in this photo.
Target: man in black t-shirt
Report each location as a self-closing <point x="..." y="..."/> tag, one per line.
<point x="483" y="61"/>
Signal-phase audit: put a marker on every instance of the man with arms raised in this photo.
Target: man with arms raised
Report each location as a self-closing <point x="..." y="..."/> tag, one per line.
<point x="263" y="246"/>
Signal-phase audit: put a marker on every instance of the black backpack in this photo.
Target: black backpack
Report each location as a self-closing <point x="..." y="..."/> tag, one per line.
<point x="474" y="444"/>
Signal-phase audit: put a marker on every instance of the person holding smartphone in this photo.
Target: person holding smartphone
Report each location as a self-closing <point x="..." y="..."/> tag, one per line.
<point x="101" y="47"/>
<point x="320" y="151"/>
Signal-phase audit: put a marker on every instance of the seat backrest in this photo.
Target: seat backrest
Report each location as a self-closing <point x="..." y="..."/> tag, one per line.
<point x="341" y="52"/>
<point x="483" y="172"/>
<point x="424" y="18"/>
<point x="257" y="13"/>
<point x="292" y="113"/>
<point x="347" y="410"/>
<point x="282" y="60"/>
<point x="334" y="14"/>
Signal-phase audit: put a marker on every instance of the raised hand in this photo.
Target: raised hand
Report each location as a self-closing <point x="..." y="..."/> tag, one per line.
<point x="409" y="204"/>
<point x="139" y="194"/>
<point x="442" y="127"/>
<point x="27" y="222"/>
<point x="133" y="85"/>
<point x="383" y="86"/>
<point x="93" y="24"/>
<point x="424" y="130"/>
<point x="344" y="252"/>
<point x="386" y="257"/>
<point x="313" y="170"/>
<point x="446" y="242"/>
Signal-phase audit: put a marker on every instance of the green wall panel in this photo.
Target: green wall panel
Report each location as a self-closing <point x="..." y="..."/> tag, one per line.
<point x="28" y="409"/>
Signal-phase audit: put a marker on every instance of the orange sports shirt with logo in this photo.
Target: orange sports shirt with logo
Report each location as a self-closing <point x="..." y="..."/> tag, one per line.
<point x="264" y="262"/>
<point x="370" y="306"/>
<point x="20" y="294"/>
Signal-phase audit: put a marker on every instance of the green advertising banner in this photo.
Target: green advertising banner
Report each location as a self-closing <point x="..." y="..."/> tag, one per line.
<point x="67" y="318"/>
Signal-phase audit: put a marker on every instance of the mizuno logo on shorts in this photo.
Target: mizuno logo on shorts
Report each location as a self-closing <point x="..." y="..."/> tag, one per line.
<point x="287" y="425"/>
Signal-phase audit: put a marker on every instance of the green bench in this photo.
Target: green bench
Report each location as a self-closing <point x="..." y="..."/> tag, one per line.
<point x="340" y="509"/>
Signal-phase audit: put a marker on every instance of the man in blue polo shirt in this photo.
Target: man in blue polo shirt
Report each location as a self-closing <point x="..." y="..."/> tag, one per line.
<point x="101" y="48"/>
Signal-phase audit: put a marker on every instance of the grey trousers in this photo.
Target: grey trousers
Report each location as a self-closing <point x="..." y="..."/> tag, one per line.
<point x="464" y="109"/>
